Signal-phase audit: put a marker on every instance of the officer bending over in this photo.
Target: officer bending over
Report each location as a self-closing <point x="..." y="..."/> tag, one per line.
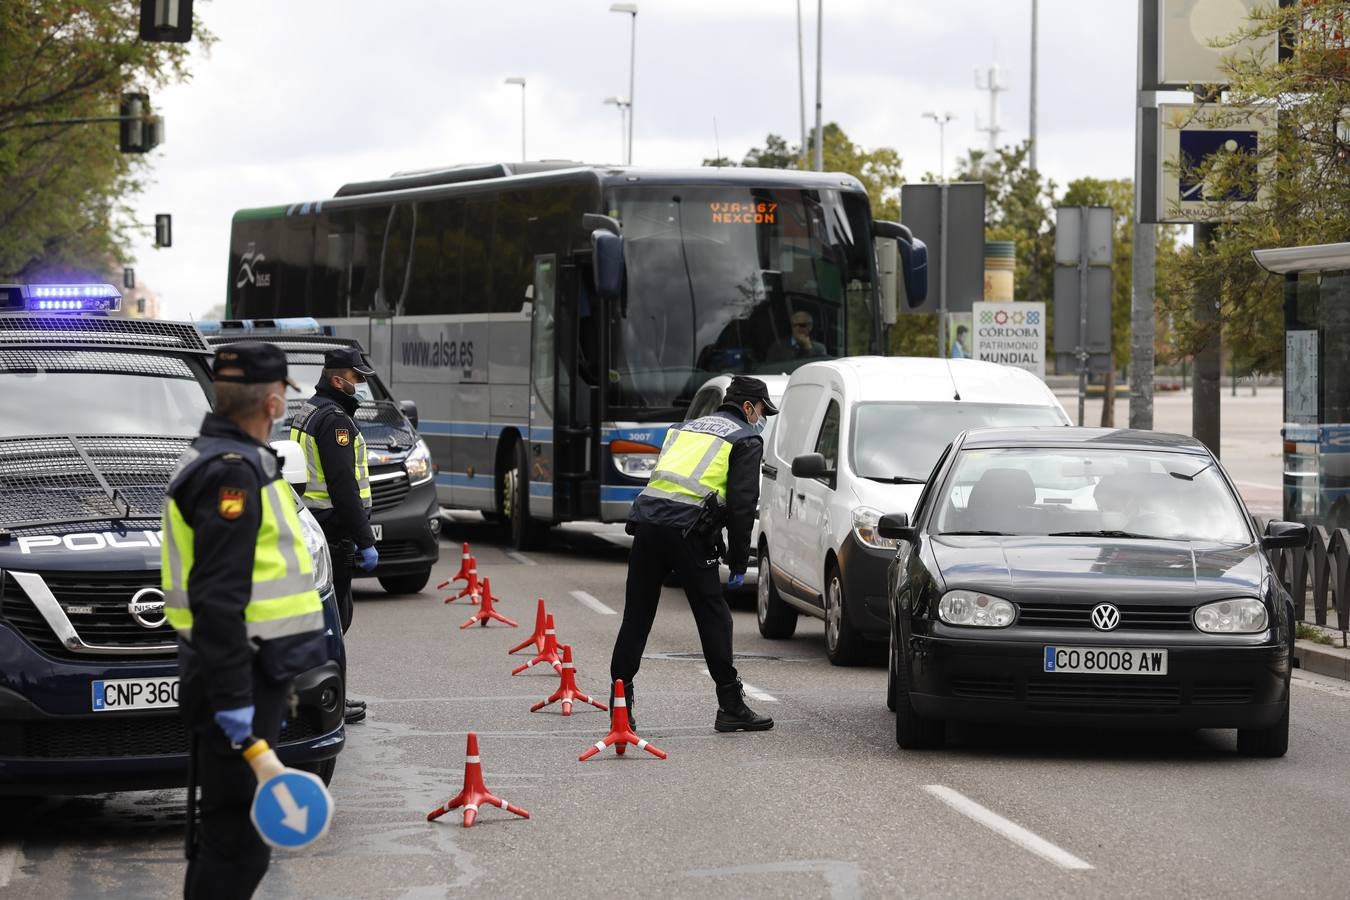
<point x="718" y="455"/>
<point x="239" y="590"/>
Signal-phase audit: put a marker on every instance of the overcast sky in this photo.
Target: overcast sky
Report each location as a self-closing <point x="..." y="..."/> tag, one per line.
<point x="298" y="97"/>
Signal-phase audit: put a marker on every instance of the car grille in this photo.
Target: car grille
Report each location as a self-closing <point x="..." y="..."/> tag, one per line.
<point x="389" y="492"/>
<point x="123" y="736"/>
<point x="1098" y="691"/>
<point x="100" y="618"/>
<point x="1133" y="617"/>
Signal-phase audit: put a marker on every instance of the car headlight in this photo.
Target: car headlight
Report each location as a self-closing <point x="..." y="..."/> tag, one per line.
<point x="418" y="464"/>
<point x="1241" y="616"/>
<point x="634" y="459"/>
<point x="976" y="610"/>
<point x="318" y="548"/>
<point x="865" y="520"/>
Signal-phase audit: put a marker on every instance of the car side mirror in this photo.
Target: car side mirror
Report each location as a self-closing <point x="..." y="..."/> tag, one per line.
<point x="293" y="469"/>
<point x="896" y="527"/>
<point x="811" y="465"/>
<point x="1285" y="536"/>
<point x="409" y="409"/>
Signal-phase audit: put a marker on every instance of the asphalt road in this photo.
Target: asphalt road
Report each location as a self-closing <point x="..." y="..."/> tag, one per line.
<point x="823" y="805"/>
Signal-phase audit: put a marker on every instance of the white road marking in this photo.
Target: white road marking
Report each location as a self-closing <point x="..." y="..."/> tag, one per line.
<point x="751" y="691"/>
<point x="9" y="858"/>
<point x="520" y="558"/>
<point x="596" y="606"/>
<point x="1010" y="830"/>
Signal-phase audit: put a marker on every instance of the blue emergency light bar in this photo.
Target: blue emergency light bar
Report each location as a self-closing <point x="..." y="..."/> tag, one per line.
<point x="293" y="325"/>
<point x="63" y="298"/>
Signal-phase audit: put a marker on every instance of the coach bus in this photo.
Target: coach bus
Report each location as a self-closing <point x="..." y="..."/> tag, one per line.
<point x="552" y="320"/>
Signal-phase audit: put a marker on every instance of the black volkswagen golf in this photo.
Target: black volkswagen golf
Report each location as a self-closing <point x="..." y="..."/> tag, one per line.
<point x="1089" y="577"/>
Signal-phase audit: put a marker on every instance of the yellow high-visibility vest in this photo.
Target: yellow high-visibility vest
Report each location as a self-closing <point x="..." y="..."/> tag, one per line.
<point x="691" y="464"/>
<point x="316" y="484"/>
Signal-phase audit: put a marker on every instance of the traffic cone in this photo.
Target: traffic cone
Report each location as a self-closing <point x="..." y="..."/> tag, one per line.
<point x="547" y="655"/>
<point x="465" y="563"/>
<point x="486" y="611"/>
<point x="475" y="792"/>
<point x="473" y="588"/>
<point x="620" y="733"/>
<point x="567" y="691"/>
<point x="538" y="637"/>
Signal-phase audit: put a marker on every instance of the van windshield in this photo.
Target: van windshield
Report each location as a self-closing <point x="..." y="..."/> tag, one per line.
<point x="903" y="440"/>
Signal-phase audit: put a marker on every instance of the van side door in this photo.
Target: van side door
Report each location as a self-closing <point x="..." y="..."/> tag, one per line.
<point x="814" y="500"/>
<point x="793" y="435"/>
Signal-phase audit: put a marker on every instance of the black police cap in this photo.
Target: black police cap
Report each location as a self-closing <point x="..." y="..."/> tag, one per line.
<point x="743" y="388"/>
<point x="347" y="358"/>
<point x="251" y="362"/>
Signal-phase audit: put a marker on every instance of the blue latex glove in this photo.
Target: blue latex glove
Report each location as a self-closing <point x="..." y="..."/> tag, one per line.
<point x="236" y="723"/>
<point x="736" y="582"/>
<point x="369" y="556"/>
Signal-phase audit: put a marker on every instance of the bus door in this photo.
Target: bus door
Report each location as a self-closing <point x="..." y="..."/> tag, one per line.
<point x="576" y="424"/>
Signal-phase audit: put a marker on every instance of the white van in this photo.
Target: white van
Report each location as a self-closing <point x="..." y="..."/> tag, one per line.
<point x="856" y="439"/>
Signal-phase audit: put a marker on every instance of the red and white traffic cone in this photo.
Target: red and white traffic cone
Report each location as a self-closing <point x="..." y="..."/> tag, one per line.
<point x="567" y="691"/>
<point x="465" y="563"/>
<point x="547" y="655"/>
<point x="538" y="637"/>
<point x="620" y="733"/>
<point x="475" y="792"/>
<point x="473" y="589"/>
<point x="486" y="612"/>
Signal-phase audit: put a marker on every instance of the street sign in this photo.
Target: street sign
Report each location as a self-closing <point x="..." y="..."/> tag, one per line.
<point x="921" y="212"/>
<point x="1068" y="237"/>
<point x="1192" y="136"/>
<point x="1082" y="289"/>
<point x="1067" y="317"/>
<point x="1011" y="334"/>
<point x="292" y="810"/>
<point x="1187" y="32"/>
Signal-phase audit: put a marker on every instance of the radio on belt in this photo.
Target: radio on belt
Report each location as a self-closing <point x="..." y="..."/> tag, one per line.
<point x="68" y="298"/>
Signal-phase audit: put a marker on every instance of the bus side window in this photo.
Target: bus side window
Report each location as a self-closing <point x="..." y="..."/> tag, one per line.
<point x="434" y="287"/>
<point x="368" y="241"/>
<point x="328" y="274"/>
<point x="476" y="258"/>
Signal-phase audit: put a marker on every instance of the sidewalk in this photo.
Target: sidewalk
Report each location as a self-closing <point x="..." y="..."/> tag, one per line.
<point x="1313" y="657"/>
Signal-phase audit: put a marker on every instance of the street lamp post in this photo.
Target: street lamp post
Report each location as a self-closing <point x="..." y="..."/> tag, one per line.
<point x="521" y="82"/>
<point x="941" y="121"/>
<point x="632" y="10"/>
<point x="622" y="104"/>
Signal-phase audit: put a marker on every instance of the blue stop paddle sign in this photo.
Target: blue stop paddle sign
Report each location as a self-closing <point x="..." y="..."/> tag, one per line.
<point x="292" y="810"/>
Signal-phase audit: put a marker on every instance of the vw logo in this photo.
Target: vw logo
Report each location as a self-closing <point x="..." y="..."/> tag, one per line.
<point x="147" y="607"/>
<point x="1105" y="617"/>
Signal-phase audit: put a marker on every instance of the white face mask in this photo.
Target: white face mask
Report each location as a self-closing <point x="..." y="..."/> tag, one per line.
<point x="280" y="420"/>
<point x="363" y="392"/>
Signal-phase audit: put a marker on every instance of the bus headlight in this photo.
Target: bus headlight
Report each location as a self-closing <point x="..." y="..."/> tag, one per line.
<point x="418" y="464"/>
<point x="318" y="548"/>
<point x="634" y="459"/>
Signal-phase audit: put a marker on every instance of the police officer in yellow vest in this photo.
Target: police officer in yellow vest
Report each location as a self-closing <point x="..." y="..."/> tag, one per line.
<point x="717" y="454"/>
<point x="239" y="589"/>
<point x="337" y="490"/>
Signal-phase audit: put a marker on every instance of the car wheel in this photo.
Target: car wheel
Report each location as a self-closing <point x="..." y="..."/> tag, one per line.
<point x="912" y="731"/>
<point x="526" y="533"/>
<point x="843" y="643"/>
<point x="892" y="661"/>
<point x="324" y="768"/>
<point x="406" y="584"/>
<point x="776" y="619"/>
<point x="1267" y="742"/>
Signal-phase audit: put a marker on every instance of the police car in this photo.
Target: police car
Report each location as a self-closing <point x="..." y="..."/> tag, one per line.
<point x="405" y="514"/>
<point x="95" y="411"/>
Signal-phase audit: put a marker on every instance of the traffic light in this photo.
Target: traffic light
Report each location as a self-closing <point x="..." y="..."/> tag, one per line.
<point x="166" y="20"/>
<point x="163" y="230"/>
<point x="139" y="131"/>
<point x="128" y="277"/>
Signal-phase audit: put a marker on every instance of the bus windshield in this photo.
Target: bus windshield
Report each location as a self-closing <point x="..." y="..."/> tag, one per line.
<point x="735" y="279"/>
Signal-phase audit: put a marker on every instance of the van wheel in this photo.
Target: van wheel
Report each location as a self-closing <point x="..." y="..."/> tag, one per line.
<point x="324" y="768"/>
<point x="843" y="644"/>
<point x="776" y="619"/>
<point x="1267" y="742"/>
<point x="406" y="584"/>
<point x="525" y="533"/>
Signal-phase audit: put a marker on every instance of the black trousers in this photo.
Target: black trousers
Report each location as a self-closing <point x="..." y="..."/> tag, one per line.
<point x="230" y="859"/>
<point x="343" y="552"/>
<point x="657" y="551"/>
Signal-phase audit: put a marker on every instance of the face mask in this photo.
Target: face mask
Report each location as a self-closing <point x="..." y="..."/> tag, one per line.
<point x="280" y="420"/>
<point x="759" y="424"/>
<point x="363" y="393"/>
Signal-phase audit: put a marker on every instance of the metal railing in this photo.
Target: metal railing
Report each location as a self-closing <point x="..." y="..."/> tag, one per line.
<point x="1319" y="573"/>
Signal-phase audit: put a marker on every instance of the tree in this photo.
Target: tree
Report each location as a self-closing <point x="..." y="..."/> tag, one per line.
<point x="64" y="188"/>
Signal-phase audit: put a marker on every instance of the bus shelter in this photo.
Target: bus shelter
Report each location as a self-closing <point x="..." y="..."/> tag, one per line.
<point x="1316" y="432"/>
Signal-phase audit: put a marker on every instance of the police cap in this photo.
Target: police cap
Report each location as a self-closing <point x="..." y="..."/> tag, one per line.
<point x="347" y="358"/>
<point x="251" y="362"/>
<point x="744" y="388"/>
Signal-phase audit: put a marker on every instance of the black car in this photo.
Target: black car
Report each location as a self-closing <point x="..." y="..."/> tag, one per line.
<point x="1090" y="577"/>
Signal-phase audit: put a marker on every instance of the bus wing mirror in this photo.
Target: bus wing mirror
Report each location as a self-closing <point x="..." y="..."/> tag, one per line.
<point x="607" y="260"/>
<point x="888" y="261"/>
<point x="913" y="260"/>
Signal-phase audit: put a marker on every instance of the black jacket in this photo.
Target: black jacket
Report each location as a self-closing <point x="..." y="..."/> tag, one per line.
<point x="743" y="466"/>
<point x="348" y="518"/>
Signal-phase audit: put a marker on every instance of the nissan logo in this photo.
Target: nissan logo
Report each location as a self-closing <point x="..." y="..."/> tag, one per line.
<point x="1105" y="617"/>
<point x="147" y="607"/>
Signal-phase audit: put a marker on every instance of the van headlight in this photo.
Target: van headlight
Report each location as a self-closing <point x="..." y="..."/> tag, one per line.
<point x="865" y="520"/>
<point x="318" y="548"/>
<point x="1242" y="616"/>
<point x="976" y="610"/>
<point x="418" y="464"/>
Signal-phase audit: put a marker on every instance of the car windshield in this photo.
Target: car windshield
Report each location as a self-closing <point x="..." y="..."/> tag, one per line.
<point x="904" y="440"/>
<point x="46" y="402"/>
<point x="735" y="279"/>
<point x="1143" y="493"/>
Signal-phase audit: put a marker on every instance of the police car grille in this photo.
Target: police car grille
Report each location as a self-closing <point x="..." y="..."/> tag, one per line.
<point x="388" y="493"/>
<point x="102" y="331"/>
<point x="1133" y="617"/>
<point x="397" y="551"/>
<point x="96" y="605"/>
<point x="117" y="736"/>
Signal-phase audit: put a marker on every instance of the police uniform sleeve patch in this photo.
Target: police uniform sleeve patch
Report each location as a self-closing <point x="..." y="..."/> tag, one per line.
<point x="343" y="436"/>
<point x="231" y="503"/>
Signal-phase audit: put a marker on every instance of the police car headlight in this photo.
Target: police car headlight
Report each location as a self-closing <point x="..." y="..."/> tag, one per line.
<point x="418" y="464"/>
<point x="318" y="549"/>
<point x="865" y="521"/>
<point x="1242" y="616"/>
<point x="975" y="609"/>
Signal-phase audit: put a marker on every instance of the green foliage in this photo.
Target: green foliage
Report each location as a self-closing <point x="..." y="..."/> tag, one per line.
<point x="64" y="188"/>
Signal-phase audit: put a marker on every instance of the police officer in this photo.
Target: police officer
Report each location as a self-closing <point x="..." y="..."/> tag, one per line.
<point x="717" y="454"/>
<point x="338" y="484"/>
<point x="239" y="590"/>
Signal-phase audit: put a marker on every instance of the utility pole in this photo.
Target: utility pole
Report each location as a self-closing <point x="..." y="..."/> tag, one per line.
<point x="993" y="84"/>
<point x="1144" y="252"/>
<point x="1205" y="394"/>
<point x="520" y="81"/>
<point x="1035" y="4"/>
<point x="630" y="9"/>
<point x="820" y="36"/>
<point x="801" y="85"/>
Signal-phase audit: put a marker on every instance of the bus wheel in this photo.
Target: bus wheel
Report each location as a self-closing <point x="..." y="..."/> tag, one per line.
<point x="526" y="533"/>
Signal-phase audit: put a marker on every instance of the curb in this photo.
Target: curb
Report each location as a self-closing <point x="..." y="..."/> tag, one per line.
<point x="1324" y="660"/>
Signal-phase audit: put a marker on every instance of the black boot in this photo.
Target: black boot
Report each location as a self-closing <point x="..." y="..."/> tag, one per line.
<point x="354" y="711"/>
<point x="628" y="703"/>
<point x="733" y="714"/>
